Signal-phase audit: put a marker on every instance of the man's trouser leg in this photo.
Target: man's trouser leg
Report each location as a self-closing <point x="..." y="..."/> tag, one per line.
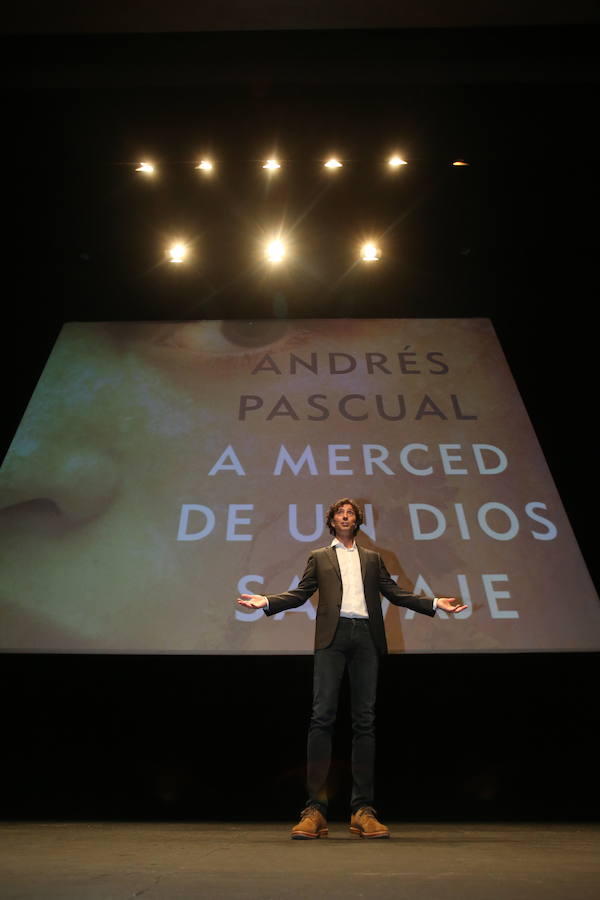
<point x="329" y="668"/>
<point x="363" y="668"/>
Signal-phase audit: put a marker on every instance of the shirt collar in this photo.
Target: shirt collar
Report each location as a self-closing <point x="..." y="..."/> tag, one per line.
<point x="337" y="543"/>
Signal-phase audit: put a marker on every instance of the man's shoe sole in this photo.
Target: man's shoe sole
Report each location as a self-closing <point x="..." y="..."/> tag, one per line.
<point x="374" y="834"/>
<point x="309" y="835"/>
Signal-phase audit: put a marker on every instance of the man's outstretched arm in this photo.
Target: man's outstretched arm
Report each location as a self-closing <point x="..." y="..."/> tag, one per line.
<point x="274" y="603"/>
<point x="399" y="597"/>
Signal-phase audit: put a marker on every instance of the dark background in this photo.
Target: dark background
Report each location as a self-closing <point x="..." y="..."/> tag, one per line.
<point x="513" y="237"/>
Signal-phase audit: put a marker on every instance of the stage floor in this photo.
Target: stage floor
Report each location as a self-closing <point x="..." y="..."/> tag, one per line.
<point x="157" y="860"/>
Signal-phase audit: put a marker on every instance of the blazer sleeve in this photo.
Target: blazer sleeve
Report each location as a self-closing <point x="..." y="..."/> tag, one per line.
<point x="396" y="595"/>
<point x="296" y="597"/>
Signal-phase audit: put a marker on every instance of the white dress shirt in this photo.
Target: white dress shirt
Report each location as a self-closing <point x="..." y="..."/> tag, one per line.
<point x="354" y="605"/>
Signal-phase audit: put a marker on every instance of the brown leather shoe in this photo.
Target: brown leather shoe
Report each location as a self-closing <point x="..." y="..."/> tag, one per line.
<point x="364" y="823"/>
<point x="312" y="825"/>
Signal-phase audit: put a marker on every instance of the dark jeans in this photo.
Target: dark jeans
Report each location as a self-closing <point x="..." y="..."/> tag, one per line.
<point x="352" y="646"/>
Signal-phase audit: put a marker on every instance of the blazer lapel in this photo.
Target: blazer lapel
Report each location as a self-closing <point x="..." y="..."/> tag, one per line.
<point x="363" y="562"/>
<point x="333" y="559"/>
<point x="373" y="607"/>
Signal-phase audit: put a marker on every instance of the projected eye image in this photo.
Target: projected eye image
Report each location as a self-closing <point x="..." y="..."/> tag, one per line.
<point x="162" y="469"/>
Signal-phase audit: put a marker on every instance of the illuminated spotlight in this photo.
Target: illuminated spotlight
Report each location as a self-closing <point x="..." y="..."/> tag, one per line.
<point x="333" y="163"/>
<point x="394" y="162"/>
<point x="369" y="252"/>
<point x="205" y="165"/>
<point x="146" y="167"/>
<point x="177" y="252"/>
<point x="275" y="251"/>
<point x="271" y="165"/>
<point x="460" y="162"/>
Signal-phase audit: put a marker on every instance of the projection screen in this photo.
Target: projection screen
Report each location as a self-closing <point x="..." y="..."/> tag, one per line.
<point x="162" y="468"/>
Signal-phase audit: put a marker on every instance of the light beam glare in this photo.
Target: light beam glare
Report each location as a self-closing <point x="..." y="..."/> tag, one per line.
<point x="370" y="252"/>
<point x="177" y="252"/>
<point x="275" y="251"/>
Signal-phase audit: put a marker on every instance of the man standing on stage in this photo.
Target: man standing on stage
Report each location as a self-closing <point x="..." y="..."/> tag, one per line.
<point x="349" y="632"/>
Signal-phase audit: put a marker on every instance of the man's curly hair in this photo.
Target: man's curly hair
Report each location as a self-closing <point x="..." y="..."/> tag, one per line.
<point x="334" y="508"/>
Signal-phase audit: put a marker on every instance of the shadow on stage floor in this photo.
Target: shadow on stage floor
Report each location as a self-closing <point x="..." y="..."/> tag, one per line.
<point x="423" y="861"/>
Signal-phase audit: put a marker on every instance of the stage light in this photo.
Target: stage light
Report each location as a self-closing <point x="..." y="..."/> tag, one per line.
<point x="460" y="162"/>
<point x="275" y="251"/>
<point x="145" y="167"/>
<point x="333" y="163"/>
<point x="177" y="252"/>
<point x="370" y="252"/>
<point x="205" y="165"/>
<point x="394" y="162"/>
<point x="271" y="165"/>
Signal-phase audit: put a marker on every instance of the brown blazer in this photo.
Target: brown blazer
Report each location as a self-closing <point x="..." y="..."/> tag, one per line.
<point x="322" y="573"/>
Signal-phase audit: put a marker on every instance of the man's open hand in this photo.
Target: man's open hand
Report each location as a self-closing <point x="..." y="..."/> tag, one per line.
<point x="252" y="601"/>
<point x="450" y="604"/>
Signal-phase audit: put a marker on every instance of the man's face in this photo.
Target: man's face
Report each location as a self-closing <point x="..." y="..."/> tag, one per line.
<point x="344" y="521"/>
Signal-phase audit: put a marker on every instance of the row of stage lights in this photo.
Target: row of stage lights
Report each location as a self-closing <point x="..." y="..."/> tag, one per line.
<point x="207" y="166"/>
<point x="275" y="251"/>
